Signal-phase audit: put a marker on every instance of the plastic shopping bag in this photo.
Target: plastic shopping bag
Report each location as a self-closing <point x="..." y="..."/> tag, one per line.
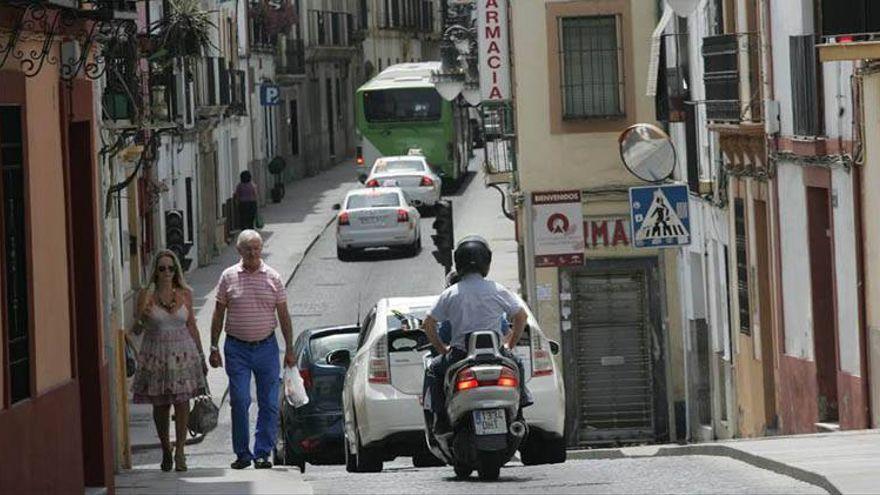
<point x="294" y="389"/>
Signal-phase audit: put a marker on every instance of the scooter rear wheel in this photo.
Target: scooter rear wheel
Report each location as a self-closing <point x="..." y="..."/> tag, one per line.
<point x="463" y="472"/>
<point x="489" y="472"/>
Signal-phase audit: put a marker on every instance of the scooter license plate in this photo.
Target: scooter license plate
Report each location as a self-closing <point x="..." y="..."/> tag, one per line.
<point x="490" y="422"/>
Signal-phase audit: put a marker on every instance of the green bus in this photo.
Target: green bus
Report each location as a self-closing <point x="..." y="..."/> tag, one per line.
<point x="399" y="110"/>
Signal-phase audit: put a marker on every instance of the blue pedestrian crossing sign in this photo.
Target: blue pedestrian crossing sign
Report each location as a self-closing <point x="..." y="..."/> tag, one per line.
<point x="660" y="216"/>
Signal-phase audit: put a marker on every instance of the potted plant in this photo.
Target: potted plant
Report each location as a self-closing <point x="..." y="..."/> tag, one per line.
<point x="276" y="167"/>
<point x="184" y="31"/>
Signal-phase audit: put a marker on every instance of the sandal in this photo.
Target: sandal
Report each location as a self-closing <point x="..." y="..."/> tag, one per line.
<point x="180" y="462"/>
<point x="166" y="461"/>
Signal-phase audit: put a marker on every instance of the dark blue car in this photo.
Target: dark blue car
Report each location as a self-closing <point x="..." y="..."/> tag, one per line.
<point x="313" y="433"/>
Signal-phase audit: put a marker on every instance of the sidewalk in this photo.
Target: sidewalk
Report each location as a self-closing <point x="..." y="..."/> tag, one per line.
<point x="843" y="462"/>
<point x="290" y="229"/>
<point x="210" y="481"/>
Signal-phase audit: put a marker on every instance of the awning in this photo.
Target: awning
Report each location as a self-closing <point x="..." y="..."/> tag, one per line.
<point x="857" y="50"/>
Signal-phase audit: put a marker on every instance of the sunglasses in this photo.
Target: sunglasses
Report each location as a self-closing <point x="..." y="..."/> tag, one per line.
<point x="162" y="268"/>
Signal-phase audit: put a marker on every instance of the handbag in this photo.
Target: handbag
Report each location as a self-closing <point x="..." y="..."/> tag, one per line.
<point x="258" y="221"/>
<point x="130" y="359"/>
<point x="203" y="415"/>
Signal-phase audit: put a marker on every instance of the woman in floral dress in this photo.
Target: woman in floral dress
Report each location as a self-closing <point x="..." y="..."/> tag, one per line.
<point x="171" y="365"/>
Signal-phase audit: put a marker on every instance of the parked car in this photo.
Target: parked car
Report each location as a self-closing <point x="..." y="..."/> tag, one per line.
<point x="377" y="217"/>
<point x="381" y="399"/>
<point x="313" y="433"/>
<point x="411" y="173"/>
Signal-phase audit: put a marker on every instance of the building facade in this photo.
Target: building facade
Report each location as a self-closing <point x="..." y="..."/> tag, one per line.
<point x="55" y="365"/>
<point x="614" y="308"/>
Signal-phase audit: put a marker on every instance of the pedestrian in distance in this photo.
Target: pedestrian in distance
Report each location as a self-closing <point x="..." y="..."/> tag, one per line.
<point x="246" y="196"/>
<point x="171" y="365"/>
<point x="252" y="300"/>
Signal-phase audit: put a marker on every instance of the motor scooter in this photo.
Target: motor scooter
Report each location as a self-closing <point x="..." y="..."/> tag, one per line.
<point x="483" y="406"/>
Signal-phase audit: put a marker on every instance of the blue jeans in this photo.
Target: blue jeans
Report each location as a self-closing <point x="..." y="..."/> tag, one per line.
<point x="262" y="361"/>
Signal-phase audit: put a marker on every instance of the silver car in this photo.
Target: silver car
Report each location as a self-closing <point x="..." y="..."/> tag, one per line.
<point x="377" y="217"/>
<point x="410" y="173"/>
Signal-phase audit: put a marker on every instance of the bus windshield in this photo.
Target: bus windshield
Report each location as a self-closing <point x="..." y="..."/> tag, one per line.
<point x="402" y="105"/>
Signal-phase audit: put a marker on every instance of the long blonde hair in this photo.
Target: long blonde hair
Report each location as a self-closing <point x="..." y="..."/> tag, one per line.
<point x="178" y="281"/>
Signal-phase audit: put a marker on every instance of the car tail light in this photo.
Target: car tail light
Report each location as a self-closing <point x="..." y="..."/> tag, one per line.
<point x="372" y="183"/>
<point x="402" y="215"/>
<point x="344" y="219"/>
<point x="426" y="182"/>
<point x="378" y="371"/>
<point x="466" y="380"/>
<point x="309" y="444"/>
<point x="306" y="375"/>
<point x="542" y="362"/>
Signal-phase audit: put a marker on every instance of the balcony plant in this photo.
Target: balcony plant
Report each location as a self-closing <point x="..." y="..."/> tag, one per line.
<point x="184" y="31"/>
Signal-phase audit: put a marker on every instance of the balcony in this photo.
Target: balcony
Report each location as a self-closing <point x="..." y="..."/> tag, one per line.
<point x="732" y="78"/>
<point x="109" y="9"/>
<point x="291" y="59"/>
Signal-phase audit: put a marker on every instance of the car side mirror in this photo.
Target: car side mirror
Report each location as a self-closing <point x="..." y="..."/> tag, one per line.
<point x="339" y="357"/>
<point x="362" y="178"/>
<point x="337" y="206"/>
<point x="554" y="347"/>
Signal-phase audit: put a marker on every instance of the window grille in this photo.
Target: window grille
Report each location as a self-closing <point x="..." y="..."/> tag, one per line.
<point x="805" y="102"/>
<point x="13" y="248"/>
<point x="591" y="59"/>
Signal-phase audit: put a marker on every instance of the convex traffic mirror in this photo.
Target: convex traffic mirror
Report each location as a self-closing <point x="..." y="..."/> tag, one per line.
<point x="647" y="152"/>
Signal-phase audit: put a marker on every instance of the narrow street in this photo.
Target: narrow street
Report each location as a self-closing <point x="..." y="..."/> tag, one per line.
<point x="325" y="291"/>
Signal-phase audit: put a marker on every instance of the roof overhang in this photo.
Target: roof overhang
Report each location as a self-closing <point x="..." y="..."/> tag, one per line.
<point x="857" y="50"/>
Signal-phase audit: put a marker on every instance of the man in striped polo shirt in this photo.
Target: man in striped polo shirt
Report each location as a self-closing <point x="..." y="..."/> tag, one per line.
<point x="249" y="296"/>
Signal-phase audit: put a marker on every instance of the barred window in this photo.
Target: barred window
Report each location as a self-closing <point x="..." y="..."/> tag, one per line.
<point x="591" y="63"/>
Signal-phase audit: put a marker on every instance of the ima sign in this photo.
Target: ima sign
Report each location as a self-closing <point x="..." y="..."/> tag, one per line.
<point x="494" y="53"/>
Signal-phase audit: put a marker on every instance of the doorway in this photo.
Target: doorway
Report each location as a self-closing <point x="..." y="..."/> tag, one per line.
<point x="822" y="288"/>
<point x="86" y="305"/>
<point x="768" y="347"/>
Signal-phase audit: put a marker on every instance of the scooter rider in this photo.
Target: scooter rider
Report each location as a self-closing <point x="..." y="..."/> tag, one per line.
<point x="473" y="304"/>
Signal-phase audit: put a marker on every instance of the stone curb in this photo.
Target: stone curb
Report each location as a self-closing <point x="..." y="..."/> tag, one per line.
<point x="307" y="251"/>
<point x="717" y="451"/>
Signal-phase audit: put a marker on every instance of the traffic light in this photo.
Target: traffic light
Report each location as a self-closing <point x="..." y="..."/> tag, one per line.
<point x="444" y="239"/>
<point x="175" y="238"/>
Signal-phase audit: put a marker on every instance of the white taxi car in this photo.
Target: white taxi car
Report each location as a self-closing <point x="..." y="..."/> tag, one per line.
<point x="383" y="416"/>
<point x="410" y="173"/>
<point x="377" y="217"/>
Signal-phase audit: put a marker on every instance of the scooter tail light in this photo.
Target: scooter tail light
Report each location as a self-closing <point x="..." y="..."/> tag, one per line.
<point x="542" y="362"/>
<point x="379" y="371"/>
<point x="508" y="378"/>
<point x="465" y="380"/>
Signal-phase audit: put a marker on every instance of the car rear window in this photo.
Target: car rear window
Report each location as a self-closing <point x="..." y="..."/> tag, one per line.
<point x="395" y="323"/>
<point x="322" y="345"/>
<point x="373" y="200"/>
<point x="399" y="166"/>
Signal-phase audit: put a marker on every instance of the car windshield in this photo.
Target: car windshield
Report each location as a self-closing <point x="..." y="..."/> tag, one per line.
<point x="381" y="200"/>
<point x="402" y="322"/>
<point x="322" y="345"/>
<point x="402" y="105"/>
<point x="399" y="166"/>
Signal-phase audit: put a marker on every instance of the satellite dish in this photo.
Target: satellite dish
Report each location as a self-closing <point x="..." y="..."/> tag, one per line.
<point x="647" y="152"/>
<point x="683" y="8"/>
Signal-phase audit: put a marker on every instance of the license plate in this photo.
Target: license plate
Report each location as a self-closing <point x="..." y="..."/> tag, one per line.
<point x="490" y="422"/>
<point x="370" y="220"/>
